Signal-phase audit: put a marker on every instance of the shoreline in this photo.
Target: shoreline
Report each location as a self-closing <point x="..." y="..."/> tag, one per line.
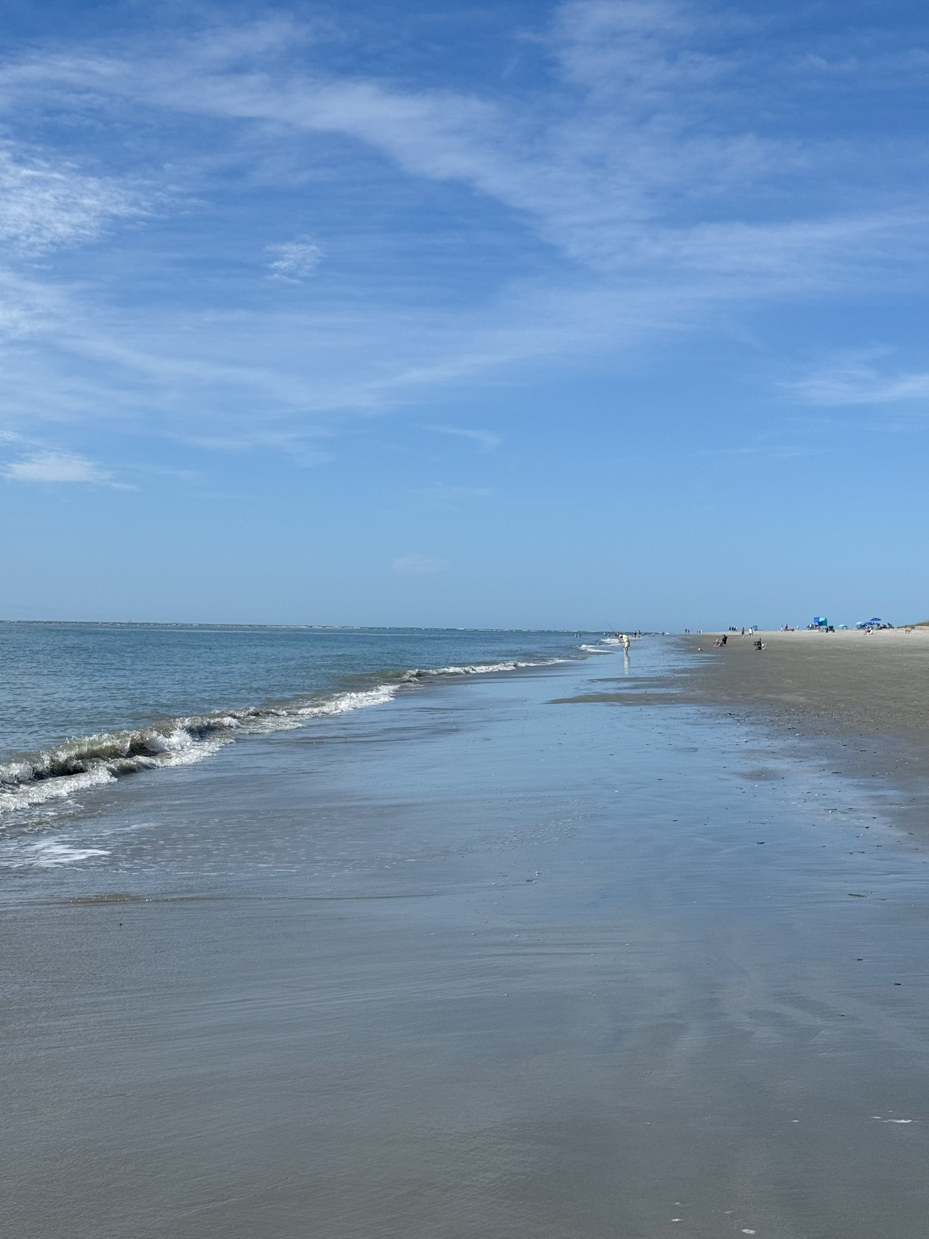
<point x="76" y="762"/>
<point x="475" y="963"/>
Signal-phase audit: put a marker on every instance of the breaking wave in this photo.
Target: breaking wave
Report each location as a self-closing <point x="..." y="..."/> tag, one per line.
<point x="90" y="761"/>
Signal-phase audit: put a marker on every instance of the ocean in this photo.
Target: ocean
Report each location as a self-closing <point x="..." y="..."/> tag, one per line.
<point x="85" y="705"/>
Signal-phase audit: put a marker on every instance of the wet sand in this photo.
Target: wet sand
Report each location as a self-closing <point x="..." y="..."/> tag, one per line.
<point x="849" y="682"/>
<point x="476" y="964"/>
<point x="864" y="699"/>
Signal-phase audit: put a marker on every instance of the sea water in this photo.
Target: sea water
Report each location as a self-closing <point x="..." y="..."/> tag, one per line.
<point x="82" y="705"/>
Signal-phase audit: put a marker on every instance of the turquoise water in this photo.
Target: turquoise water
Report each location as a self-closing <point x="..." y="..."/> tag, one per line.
<point x="82" y="704"/>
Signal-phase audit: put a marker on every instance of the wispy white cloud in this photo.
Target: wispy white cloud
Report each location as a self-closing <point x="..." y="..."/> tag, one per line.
<point x="624" y="47"/>
<point x="484" y="438"/>
<point x="419" y="565"/>
<point x="45" y="206"/>
<point x="853" y="381"/>
<point x="644" y="172"/>
<point x="616" y="172"/>
<point x="55" y="467"/>
<point x="295" y="260"/>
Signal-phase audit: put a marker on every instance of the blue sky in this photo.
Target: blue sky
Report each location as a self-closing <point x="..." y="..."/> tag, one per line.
<point x="600" y="312"/>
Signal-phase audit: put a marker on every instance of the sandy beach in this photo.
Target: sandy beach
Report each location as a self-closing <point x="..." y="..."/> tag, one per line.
<point x="853" y="682"/>
<point x="574" y="953"/>
<point x="864" y="698"/>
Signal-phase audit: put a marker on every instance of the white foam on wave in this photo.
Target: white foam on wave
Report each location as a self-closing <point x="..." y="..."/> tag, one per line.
<point x="421" y="673"/>
<point x="92" y="761"/>
<point x="598" y="649"/>
<point x="343" y="703"/>
<point x="50" y="854"/>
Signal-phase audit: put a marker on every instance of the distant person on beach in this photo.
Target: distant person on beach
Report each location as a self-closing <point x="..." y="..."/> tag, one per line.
<point x="759" y="644"/>
<point x="625" y="640"/>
